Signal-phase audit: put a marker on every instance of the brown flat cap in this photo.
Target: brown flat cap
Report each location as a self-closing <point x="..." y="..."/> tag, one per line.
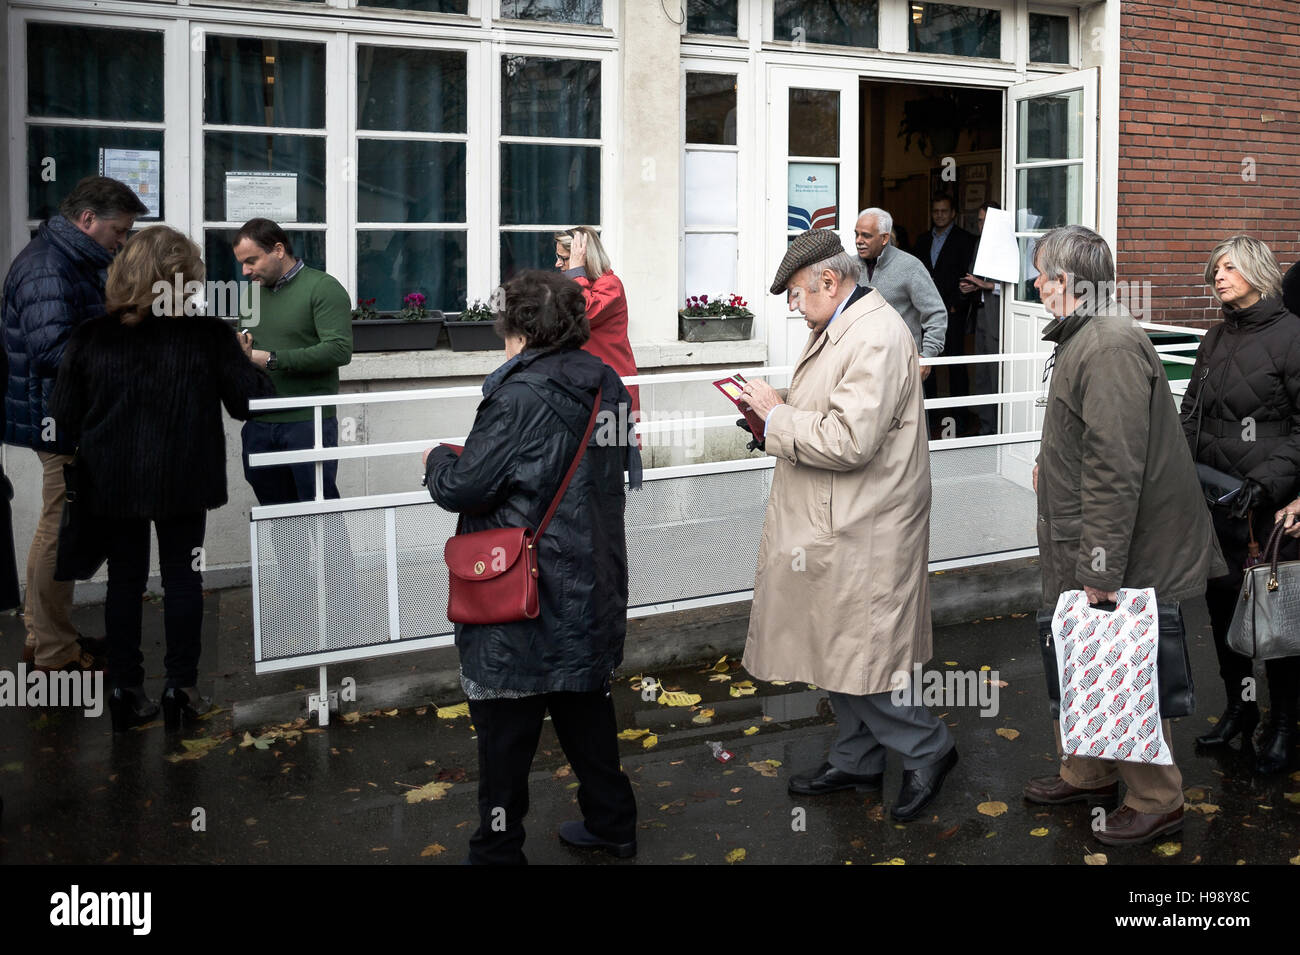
<point x="808" y="248"/>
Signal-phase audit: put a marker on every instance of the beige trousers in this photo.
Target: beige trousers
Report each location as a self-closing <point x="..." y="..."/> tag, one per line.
<point x="1151" y="788"/>
<point x="48" y="603"/>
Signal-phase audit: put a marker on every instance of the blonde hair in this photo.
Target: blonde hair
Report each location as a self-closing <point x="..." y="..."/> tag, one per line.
<point x="597" y="258"/>
<point x="152" y="258"/>
<point x="1253" y="260"/>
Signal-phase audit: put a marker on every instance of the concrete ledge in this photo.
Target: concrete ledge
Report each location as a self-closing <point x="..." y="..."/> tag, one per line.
<point x="384" y="366"/>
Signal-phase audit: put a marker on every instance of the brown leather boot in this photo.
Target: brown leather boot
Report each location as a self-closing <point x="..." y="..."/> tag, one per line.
<point x="1055" y="791"/>
<point x="1128" y="827"/>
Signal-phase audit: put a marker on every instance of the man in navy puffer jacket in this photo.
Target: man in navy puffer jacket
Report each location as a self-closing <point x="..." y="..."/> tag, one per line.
<point x="55" y="284"/>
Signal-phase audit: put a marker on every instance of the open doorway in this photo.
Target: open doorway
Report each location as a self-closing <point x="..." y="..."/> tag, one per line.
<point x="931" y="156"/>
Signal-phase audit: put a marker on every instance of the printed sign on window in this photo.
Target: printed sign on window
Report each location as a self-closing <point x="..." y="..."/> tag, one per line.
<point x="141" y="169"/>
<point x="262" y="195"/>
<point x="812" y="191"/>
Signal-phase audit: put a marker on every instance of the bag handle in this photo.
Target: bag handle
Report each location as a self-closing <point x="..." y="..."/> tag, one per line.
<point x="1272" y="549"/>
<point x="573" y="468"/>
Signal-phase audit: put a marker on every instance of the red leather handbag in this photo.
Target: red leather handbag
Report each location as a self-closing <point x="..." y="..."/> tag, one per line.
<point x="492" y="574"/>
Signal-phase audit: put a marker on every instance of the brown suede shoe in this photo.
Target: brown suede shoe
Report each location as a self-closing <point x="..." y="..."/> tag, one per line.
<point x="1055" y="791"/>
<point x="1128" y="827"/>
<point x="82" y="663"/>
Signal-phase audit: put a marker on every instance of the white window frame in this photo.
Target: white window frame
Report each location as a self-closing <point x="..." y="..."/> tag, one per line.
<point x="609" y="138"/>
<point x="742" y="29"/>
<point x="1072" y="14"/>
<point x="769" y="39"/>
<point x="900" y="21"/>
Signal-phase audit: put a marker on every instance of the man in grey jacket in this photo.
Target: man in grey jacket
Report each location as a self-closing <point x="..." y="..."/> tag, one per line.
<point x="903" y="281"/>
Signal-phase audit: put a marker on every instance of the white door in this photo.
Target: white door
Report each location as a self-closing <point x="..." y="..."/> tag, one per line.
<point x="812" y="180"/>
<point x="1051" y="177"/>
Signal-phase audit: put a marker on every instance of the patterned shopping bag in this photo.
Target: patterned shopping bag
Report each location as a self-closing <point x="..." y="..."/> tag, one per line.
<point x="1110" y="700"/>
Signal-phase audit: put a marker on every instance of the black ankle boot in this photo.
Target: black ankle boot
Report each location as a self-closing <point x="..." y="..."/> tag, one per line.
<point x="1240" y="718"/>
<point x="128" y="706"/>
<point x="183" y="706"/>
<point x="1275" y="748"/>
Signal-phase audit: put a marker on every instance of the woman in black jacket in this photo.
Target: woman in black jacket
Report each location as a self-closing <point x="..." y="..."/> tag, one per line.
<point x="1241" y="414"/>
<point x="140" y="392"/>
<point x="526" y="433"/>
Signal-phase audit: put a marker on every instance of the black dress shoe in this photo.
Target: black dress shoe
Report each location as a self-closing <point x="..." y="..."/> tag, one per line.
<point x="920" y="786"/>
<point x="1275" y="747"/>
<point x="576" y="834"/>
<point x="827" y="779"/>
<point x="128" y="706"/>
<point x="1239" y="719"/>
<point x="183" y="706"/>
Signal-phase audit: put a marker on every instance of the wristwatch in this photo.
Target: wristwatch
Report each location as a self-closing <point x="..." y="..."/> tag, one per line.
<point x="270" y="361"/>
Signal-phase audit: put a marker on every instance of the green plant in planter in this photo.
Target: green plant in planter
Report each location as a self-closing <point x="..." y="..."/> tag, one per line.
<point x="701" y="307"/>
<point x="365" y="310"/>
<point x="477" y="311"/>
<point x="413" y="308"/>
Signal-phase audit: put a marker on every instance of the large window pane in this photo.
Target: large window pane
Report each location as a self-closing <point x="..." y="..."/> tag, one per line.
<point x="553" y="11"/>
<point x="393" y="264"/>
<point x="428" y="6"/>
<point x="955" y="31"/>
<point x="1049" y="38"/>
<point x="1025" y="291"/>
<point x="836" y="22"/>
<point x="711" y="108"/>
<point x="1049" y="196"/>
<point x="814" y="123"/>
<point x="253" y="81"/>
<point x="88" y="73"/>
<point x="710" y="188"/>
<point x="1050" y="127"/>
<point x="257" y="152"/>
<point x="713" y="17"/>
<point x="411" y="90"/>
<point x="75" y="151"/>
<point x="710" y="265"/>
<point x="550" y="185"/>
<point x="219" y="256"/>
<point x="545" y="97"/>
<point x="526" y="250"/>
<point x="410" y="181"/>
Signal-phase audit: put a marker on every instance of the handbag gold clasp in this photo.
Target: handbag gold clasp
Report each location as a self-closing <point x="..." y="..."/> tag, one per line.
<point x="479" y="567"/>
<point x="1272" y="584"/>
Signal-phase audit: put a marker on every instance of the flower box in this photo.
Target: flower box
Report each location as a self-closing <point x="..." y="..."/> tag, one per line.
<point x="474" y="336"/>
<point x="711" y="328"/>
<point x="397" y="334"/>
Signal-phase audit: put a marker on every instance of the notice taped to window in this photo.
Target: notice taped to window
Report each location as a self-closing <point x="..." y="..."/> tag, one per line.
<point x="141" y="169"/>
<point x="261" y="195"/>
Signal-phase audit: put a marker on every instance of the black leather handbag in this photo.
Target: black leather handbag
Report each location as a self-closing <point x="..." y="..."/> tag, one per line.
<point x="1174" y="666"/>
<point x="83" y="547"/>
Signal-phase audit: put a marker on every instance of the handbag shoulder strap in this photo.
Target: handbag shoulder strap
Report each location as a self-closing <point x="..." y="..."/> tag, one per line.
<point x="573" y="468"/>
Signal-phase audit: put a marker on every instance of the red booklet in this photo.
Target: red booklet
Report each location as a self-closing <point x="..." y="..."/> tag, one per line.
<point x="458" y="448"/>
<point x="731" y="387"/>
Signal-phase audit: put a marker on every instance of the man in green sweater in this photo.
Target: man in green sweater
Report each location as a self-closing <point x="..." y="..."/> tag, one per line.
<point x="303" y="335"/>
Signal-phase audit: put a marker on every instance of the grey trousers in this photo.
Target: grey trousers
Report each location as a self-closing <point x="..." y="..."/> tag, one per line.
<point x="868" y="725"/>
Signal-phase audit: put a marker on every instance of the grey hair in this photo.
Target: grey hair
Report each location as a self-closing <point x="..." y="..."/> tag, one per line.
<point x="1078" y="252"/>
<point x="843" y="265"/>
<point x="884" y="221"/>
<point x="1253" y="259"/>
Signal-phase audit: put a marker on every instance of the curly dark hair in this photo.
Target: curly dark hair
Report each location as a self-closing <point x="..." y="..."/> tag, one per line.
<point x="546" y="309"/>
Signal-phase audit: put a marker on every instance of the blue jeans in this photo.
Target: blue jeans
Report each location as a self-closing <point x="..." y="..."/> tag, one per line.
<point x="288" y="483"/>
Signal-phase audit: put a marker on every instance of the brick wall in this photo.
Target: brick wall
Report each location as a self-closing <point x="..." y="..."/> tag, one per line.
<point x="1205" y="85"/>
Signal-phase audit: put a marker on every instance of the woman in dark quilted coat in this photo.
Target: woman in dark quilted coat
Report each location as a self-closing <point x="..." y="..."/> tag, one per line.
<point x="1241" y="415"/>
<point x="526" y="433"/>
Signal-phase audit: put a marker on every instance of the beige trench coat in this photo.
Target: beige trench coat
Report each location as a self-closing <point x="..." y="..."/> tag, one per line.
<point x="841" y="596"/>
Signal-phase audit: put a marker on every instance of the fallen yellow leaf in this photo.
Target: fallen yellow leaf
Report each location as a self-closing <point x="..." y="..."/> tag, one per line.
<point x="1194" y="793"/>
<point x="737" y="689"/>
<point x="894" y="861"/>
<point x="985" y="668"/>
<point x="702" y="718"/>
<point x="352" y="717"/>
<point x="720" y="678"/>
<point x="780" y="682"/>
<point x="950" y="663"/>
<point x="1294" y="861"/>
<point x="650" y="742"/>
<point x="632" y="734"/>
<point x="1208" y="808"/>
<point x="736" y="855"/>
<point x="685" y="857"/>
<point x="679" y="698"/>
<point x="991" y="808"/>
<point x="765" y="767"/>
<point x="428" y="791"/>
<point x="1096" y="858"/>
<point x="432" y="850"/>
<point x="1168" y="849"/>
<point x="453" y="712"/>
<point x="1291" y="797"/>
<point x="721" y="666"/>
<point x="751" y="731"/>
<point x="1040" y="831"/>
<point x="1007" y="733"/>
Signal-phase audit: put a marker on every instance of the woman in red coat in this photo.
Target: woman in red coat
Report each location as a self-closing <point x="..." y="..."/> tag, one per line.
<point x="580" y="256"/>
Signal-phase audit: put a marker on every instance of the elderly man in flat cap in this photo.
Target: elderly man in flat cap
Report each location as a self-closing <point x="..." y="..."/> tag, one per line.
<point x="841" y="597"/>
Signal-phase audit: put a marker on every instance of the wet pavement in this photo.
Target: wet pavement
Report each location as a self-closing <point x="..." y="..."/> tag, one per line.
<point x="398" y="785"/>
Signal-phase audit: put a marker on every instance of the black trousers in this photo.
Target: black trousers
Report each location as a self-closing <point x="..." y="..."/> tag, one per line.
<point x="179" y="542"/>
<point x="508" y="732"/>
<point x="1283" y="674"/>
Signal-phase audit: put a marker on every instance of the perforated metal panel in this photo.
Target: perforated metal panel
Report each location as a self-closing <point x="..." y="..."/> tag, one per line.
<point x="689" y="537"/>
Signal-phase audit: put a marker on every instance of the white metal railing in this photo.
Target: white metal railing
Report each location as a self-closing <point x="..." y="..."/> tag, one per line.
<point x="1008" y="451"/>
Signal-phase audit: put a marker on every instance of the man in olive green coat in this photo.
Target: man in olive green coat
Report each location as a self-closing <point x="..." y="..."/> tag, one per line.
<point x="1119" y="503"/>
